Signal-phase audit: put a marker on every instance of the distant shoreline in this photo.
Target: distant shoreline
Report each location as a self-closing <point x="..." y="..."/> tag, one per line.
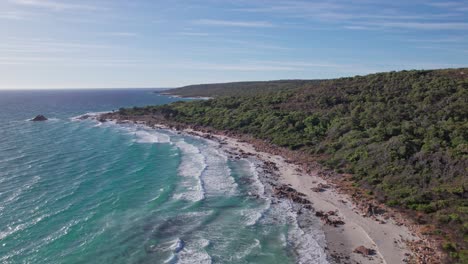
<point x="184" y="97"/>
<point x="392" y="238"/>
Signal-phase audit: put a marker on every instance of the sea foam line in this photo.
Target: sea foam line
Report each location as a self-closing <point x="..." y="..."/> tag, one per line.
<point x="217" y="177"/>
<point x="192" y="166"/>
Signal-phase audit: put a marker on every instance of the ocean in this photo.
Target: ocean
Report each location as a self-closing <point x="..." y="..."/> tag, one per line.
<point x="74" y="191"/>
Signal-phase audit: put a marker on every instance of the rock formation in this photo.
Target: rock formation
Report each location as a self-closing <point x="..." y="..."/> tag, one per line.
<point x="39" y="118"/>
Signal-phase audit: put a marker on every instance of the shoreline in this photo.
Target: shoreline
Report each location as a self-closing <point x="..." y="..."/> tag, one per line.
<point x="387" y="240"/>
<point x="184" y="97"/>
<point x="380" y="236"/>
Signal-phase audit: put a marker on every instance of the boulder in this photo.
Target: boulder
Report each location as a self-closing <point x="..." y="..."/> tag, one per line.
<point x="364" y="251"/>
<point x="39" y="118"/>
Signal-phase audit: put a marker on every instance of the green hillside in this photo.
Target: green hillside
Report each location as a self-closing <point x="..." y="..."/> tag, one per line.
<point x="402" y="135"/>
<point x="237" y="88"/>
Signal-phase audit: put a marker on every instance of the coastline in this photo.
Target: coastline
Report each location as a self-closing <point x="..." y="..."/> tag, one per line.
<point x="386" y="239"/>
<point x="384" y="236"/>
<point x="184" y="97"/>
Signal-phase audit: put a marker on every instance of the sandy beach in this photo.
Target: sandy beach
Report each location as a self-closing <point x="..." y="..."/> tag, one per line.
<point x="385" y="237"/>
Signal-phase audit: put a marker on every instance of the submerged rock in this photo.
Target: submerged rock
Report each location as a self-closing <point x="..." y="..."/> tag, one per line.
<point x="39" y="118"/>
<point x="83" y="117"/>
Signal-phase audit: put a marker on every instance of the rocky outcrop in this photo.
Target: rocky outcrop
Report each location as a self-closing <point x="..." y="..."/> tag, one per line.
<point x="330" y="218"/>
<point x="39" y="118"/>
<point x="320" y="187"/>
<point x="285" y="191"/>
<point x="364" y="251"/>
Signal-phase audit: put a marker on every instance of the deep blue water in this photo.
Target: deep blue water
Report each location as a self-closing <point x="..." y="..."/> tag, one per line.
<point x="82" y="192"/>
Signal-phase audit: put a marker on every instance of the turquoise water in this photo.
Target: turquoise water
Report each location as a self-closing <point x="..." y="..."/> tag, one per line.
<point x="82" y="192"/>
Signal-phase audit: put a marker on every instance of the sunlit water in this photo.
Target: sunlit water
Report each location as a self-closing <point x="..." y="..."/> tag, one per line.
<point x="83" y="192"/>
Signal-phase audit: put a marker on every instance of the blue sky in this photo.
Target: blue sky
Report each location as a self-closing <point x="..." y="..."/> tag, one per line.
<point x="159" y="43"/>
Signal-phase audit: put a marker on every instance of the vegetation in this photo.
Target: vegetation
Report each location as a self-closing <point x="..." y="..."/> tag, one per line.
<point x="238" y="88"/>
<point x="402" y="135"/>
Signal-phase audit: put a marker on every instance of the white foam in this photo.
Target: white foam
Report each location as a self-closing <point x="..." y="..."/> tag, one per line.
<point x="252" y="216"/>
<point x="191" y="168"/>
<point x="172" y="258"/>
<point x="142" y="133"/>
<point x="17" y="192"/>
<point x="12" y="158"/>
<point x="260" y="188"/>
<point x="217" y="178"/>
<point x="92" y="115"/>
<point x="143" y="136"/>
<point x="308" y="243"/>
<point x="11" y="230"/>
<point x="248" y="250"/>
<point x="53" y="119"/>
<point x="194" y="253"/>
<point x="157" y="196"/>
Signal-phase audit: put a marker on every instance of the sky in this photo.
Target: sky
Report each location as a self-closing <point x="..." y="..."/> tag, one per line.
<point x="171" y="43"/>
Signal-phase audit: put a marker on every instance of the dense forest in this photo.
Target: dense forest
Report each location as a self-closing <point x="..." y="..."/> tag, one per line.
<point x="402" y="135"/>
<point x="238" y="88"/>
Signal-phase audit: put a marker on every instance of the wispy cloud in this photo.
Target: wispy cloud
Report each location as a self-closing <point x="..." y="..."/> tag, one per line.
<point x="273" y="66"/>
<point x="452" y="5"/>
<point x="13" y="15"/>
<point x="54" y="5"/>
<point x="369" y="16"/>
<point x="231" y="23"/>
<point x="69" y="61"/>
<point x="50" y="46"/>
<point x="456" y="39"/>
<point x="194" y="34"/>
<point x="421" y="25"/>
<point x="291" y="7"/>
<point x="122" y="34"/>
<point x="359" y="27"/>
<point x="231" y="67"/>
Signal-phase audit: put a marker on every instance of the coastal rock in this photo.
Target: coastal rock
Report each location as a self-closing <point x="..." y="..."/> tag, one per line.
<point x="290" y="193"/>
<point x="364" y="251"/>
<point x="330" y="218"/>
<point x="83" y="117"/>
<point x="320" y="187"/>
<point x="39" y="118"/>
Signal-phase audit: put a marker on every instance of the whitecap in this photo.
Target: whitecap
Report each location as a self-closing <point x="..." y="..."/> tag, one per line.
<point x="195" y="253"/>
<point x="252" y="216"/>
<point x="157" y="196"/>
<point x="143" y="136"/>
<point x="91" y="115"/>
<point x="217" y="178"/>
<point x="191" y="168"/>
<point x="248" y="250"/>
<point x="308" y="242"/>
<point x="260" y="188"/>
<point x="17" y="192"/>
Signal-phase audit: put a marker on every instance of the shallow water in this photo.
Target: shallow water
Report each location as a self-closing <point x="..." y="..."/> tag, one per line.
<point x="83" y="192"/>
